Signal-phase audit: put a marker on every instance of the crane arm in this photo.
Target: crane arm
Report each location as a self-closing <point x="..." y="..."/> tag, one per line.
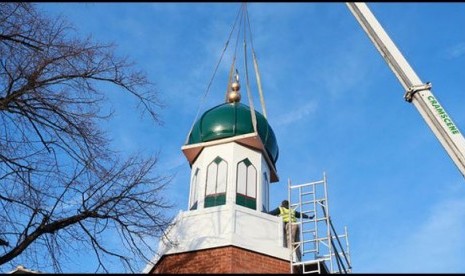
<point x="417" y="92"/>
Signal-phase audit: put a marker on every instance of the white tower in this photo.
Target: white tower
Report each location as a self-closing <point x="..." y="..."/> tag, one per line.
<point x="232" y="152"/>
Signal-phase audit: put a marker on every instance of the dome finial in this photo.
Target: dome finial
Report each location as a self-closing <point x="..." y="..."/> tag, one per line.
<point x="234" y="94"/>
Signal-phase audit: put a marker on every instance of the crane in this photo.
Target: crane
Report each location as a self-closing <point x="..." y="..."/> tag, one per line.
<point x="417" y="92"/>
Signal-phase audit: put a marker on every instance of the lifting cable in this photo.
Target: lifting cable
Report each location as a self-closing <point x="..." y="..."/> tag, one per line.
<point x="213" y="76"/>
<point x="243" y="18"/>
<point x="252" y="109"/>
<point x="233" y="63"/>
<point x="257" y="72"/>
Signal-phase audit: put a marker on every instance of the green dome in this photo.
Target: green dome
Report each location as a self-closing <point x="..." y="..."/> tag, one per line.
<point x="233" y="119"/>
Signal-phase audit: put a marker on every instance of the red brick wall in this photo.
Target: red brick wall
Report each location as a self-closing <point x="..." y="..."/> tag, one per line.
<point x="227" y="259"/>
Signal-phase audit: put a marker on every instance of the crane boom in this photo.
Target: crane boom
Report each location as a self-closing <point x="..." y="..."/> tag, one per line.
<point x="417" y="92"/>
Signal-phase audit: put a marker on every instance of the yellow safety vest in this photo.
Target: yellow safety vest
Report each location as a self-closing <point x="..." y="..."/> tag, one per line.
<point x="284" y="213"/>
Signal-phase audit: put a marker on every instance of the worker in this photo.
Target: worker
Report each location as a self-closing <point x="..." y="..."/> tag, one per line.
<point x="293" y="227"/>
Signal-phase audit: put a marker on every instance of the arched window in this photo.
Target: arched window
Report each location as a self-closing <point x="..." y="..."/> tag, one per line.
<point x="246" y="190"/>
<point x="194" y="187"/>
<point x="215" y="188"/>
<point x="265" y="193"/>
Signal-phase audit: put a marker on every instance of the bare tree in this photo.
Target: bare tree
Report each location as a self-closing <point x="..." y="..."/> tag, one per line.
<point x="62" y="189"/>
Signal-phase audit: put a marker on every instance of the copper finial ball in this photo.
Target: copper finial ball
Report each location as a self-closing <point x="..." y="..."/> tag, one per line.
<point x="234" y="96"/>
<point x="235" y="86"/>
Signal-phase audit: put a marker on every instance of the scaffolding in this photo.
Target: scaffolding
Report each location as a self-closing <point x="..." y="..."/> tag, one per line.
<point x="320" y="246"/>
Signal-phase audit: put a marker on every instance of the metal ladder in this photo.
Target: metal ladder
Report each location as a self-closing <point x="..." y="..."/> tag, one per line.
<point x="319" y="243"/>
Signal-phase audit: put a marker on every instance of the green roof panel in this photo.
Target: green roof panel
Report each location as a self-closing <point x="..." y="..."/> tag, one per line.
<point x="233" y="119"/>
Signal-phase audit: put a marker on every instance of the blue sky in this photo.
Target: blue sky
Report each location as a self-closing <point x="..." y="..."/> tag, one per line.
<point x="332" y="101"/>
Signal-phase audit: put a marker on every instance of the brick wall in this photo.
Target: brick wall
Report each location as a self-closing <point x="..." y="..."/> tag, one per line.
<point x="227" y="259"/>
